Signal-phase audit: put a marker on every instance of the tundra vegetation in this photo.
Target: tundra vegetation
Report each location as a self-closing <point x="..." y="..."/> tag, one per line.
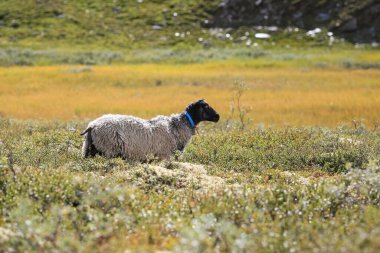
<point x="292" y="166"/>
<point x="268" y="189"/>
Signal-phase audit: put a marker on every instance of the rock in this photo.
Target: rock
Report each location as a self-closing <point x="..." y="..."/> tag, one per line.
<point x="206" y="44"/>
<point x="15" y="23"/>
<point x="322" y="17"/>
<point x="351" y="20"/>
<point x="350" y="26"/>
<point x="297" y="15"/>
<point x="156" y="27"/>
<point x="272" y="28"/>
<point x="372" y="31"/>
<point x="312" y="33"/>
<point x="262" y="36"/>
<point x="116" y="9"/>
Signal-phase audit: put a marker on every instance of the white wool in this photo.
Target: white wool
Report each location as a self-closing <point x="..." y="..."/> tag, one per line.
<point x="135" y="138"/>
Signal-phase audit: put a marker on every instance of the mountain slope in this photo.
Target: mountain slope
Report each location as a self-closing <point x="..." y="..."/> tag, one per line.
<point x="140" y="24"/>
<point x="356" y="20"/>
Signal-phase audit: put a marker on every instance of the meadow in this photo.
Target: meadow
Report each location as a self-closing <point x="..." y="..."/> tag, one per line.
<point x="293" y="166"/>
<point x="314" y="88"/>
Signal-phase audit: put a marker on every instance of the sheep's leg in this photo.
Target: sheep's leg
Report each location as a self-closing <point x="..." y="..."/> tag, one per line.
<point x="89" y="148"/>
<point x="86" y="147"/>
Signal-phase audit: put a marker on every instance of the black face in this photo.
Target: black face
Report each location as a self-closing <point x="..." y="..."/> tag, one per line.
<point x="201" y="111"/>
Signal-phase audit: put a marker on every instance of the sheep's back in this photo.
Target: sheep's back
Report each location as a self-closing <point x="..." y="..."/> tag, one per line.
<point x="131" y="137"/>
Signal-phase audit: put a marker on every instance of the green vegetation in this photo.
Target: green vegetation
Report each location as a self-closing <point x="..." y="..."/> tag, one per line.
<point x="320" y="58"/>
<point x="131" y="25"/>
<point x="84" y="24"/>
<point x="136" y="24"/>
<point x="47" y="32"/>
<point x="254" y="189"/>
<point x="286" y="148"/>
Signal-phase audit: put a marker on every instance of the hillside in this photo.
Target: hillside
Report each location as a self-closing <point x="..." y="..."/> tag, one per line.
<point x="141" y="24"/>
<point x="358" y="21"/>
<point x="122" y="24"/>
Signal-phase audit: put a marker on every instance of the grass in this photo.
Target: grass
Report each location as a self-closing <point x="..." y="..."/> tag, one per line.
<point x="278" y="92"/>
<point x="337" y="57"/>
<point x="113" y="24"/>
<point x="294" y="189"/>
<point x="123" y="24"/>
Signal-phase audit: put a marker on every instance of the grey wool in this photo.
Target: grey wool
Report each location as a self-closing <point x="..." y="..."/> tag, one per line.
<point x="134" y="138"/>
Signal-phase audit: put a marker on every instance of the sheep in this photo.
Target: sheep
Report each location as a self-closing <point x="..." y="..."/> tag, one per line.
<point x="137" y="139"/>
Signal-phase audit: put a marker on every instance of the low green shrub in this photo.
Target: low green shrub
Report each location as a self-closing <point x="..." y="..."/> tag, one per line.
<point x="275" y="193"/>
<point x="285" y="148"/>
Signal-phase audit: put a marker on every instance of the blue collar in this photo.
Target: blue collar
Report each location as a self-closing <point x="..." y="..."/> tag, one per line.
<point x="190" y="119"/>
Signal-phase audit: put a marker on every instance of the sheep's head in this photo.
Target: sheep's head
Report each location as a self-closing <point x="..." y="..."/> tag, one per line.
<point x="201" y="111"/>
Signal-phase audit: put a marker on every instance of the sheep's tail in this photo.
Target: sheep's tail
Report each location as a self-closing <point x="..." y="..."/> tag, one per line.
<point x="88" y="129"/>
<point x="87" y="144"/>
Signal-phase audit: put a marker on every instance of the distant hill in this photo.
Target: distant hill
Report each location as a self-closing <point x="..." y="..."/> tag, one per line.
<point x="118" y="23"/>
<point x="356" y="20"/>
<point x="163" y="23"/>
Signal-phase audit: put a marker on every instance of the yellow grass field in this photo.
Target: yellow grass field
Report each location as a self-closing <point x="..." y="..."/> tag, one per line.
<point x="282" y="95"/>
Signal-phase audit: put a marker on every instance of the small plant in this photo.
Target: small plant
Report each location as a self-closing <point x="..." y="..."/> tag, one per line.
<point x="236" y="106"/>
